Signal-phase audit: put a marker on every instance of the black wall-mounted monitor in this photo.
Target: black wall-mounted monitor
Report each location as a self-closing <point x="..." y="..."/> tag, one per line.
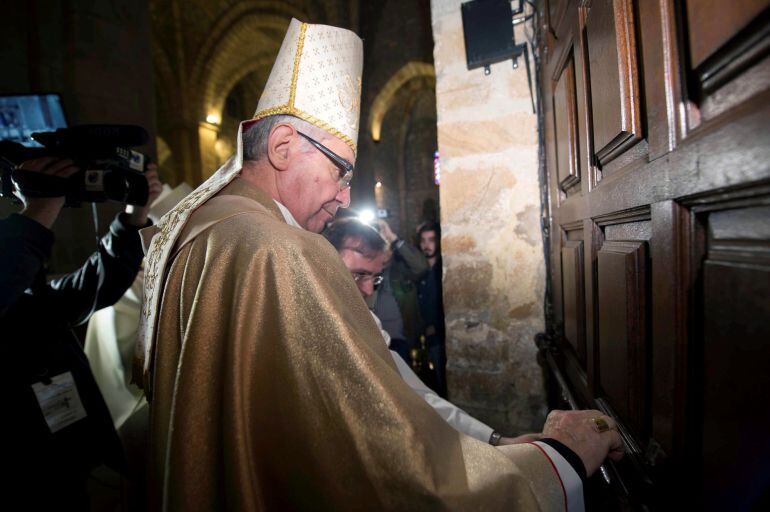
<point x="24" y="114"/>
<point x="488" y="31"/>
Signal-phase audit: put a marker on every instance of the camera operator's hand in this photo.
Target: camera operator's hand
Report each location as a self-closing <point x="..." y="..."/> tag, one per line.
<point x="45" y="209"/>
<point x="138" y="215"/>
<point x="386" y="232"/>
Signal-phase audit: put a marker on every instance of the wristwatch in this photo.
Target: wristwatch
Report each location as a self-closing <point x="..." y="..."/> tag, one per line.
<point x="494" y="438"/>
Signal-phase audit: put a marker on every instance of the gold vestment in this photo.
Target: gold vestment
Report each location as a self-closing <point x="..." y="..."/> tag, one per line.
<point x="271" y="388"/>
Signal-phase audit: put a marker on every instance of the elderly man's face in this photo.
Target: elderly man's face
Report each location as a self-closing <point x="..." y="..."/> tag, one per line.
<point x="364" y="269"/>
<point x="315" y="193"/>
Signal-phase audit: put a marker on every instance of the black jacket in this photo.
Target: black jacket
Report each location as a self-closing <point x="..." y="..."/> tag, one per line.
<point x="431" y="297"/>
<point x="38" y="343"/>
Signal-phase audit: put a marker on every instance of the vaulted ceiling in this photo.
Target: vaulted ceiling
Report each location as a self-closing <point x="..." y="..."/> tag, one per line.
<point x="204" y="50"/>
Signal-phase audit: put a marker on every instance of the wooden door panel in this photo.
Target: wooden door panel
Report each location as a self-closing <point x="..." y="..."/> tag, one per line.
<point x="723" y="42"/>
<point x="622" y="290"/>
<point x="660" y="214"/>
<point x="573" y="288"/>
<point x="712" y="23"/>
<point x="565" y="125"/>
<point x="556" y="10"/>
<point x="736" y="358"/>
<point x="615" y="99"/>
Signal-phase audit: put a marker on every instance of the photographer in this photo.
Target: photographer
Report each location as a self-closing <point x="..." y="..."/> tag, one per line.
<point x="395" y="302"/>
<point x="59" y="425"/>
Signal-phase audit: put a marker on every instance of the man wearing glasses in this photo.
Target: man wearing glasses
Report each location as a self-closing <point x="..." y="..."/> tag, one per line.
<point x="268" y="382"/>
<point x="362" y="250"/>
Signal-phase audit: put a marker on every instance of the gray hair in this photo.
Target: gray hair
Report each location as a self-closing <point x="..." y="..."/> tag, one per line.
<point x="255" y="137"/>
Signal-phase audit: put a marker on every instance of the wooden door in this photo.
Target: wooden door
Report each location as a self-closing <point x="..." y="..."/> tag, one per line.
<point x="657" y="152"/>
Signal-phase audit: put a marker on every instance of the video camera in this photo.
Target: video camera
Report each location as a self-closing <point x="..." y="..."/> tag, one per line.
<point x="109" y="170"/>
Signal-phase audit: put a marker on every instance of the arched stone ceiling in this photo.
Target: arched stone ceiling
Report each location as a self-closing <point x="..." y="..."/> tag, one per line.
<point x="421" y="72"/>
<point x="252" y="43"/>
<point x="219" y="30"/>
<point x="202" y="48"/>
<point x="164" y="73"/>
<point x="220" y="92"/>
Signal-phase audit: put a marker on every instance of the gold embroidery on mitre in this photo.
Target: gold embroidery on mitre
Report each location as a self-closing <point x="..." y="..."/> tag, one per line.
<point x="349" y="94"/>
<point x="297" y="58"/>
<point x="352" y="88"/>
<point x="287" y="110"/>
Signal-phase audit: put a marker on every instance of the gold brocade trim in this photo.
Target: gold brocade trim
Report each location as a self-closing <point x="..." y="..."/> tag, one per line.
<point x="297" y="58"/>
<point x="163" y="237"/>
<point x="327" y="127"/>
<point x="290" y="110"/>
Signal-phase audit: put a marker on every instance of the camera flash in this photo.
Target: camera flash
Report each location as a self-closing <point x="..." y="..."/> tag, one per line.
<point x="366" y="216"/>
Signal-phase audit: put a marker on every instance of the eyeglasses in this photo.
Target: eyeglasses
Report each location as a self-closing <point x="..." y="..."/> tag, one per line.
<point x="345" y="168"/>
<point x="362" y="277"/>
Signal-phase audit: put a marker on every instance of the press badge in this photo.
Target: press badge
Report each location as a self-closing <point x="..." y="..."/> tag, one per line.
<point x="59" y="401"/>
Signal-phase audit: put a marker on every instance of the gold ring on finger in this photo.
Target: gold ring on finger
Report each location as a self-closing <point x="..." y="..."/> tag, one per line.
<point x="600" y="424"/>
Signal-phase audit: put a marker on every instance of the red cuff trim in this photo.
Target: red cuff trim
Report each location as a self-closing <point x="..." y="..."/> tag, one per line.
<point x="563" y="490"/>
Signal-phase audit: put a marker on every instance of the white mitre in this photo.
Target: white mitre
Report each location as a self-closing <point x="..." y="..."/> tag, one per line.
<point x="316" y="77"/>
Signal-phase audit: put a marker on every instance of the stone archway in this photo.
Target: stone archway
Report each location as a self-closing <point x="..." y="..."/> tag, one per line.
<point x="383" y="102"/>
<point x="409" y="97"/>
<point x="249" y="44"/>
<point x="202" y="49"/>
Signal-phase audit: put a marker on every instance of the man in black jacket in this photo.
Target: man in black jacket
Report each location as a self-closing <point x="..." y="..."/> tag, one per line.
<point x="430" y="295"/>
<point x="58" y="423"/>
<point x="395" y="301"/>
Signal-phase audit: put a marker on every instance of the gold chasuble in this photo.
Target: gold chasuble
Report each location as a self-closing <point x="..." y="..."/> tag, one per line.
<point x="269" y="385"/>
<point x="273" y="389"/>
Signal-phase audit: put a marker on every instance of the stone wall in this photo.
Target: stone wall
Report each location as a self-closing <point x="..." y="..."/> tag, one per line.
<point x="494" y="268"/>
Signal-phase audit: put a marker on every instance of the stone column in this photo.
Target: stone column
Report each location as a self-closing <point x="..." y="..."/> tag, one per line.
<point x="494" y="267"/>
<point x="207" y="136"/>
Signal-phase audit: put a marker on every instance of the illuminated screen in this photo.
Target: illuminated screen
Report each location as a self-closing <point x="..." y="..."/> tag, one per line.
<point x="23" y="115"/>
